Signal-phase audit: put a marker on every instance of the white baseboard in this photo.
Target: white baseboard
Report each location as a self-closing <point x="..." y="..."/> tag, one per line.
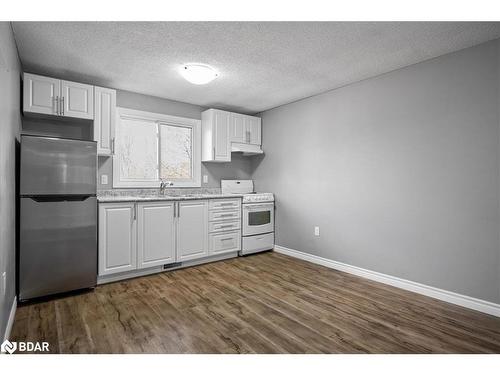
<point x="10" y="322"/>
<point x="441" y="294"/>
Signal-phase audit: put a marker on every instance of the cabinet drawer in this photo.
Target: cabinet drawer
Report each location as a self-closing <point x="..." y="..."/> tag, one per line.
<point x="224" y="242"/>
<point x="224" y="215"/>
<point x="224" y="226"/>
<point x="260" y="242"/>
<point x="223" y="204"/>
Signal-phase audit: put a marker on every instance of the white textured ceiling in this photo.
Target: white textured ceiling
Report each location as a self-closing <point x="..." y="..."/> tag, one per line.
<point x="262" y="64"/>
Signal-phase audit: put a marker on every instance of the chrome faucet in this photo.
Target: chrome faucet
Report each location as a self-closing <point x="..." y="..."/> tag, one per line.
<point x="164" y="185"/>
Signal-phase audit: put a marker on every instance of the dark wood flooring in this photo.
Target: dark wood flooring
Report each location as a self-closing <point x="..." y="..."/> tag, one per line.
<point x="266" y="303"/>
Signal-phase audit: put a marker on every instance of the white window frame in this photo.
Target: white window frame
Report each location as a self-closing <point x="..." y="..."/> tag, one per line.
<point x="158" y="119"/>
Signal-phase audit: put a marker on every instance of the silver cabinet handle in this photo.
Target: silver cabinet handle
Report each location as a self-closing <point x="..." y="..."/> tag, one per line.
<point x="226" y="239"/>
<point x="135" y="211"/>
<point x="178" y="209"/>
<point x="225" y="226"/>
<point x="112" y="146"/>
<point x="57" y="105"/>
<point x="175" y="208"/>
<point x="213" y="153"/>
<point x="226" y="204"/>
<point x="62" y="106"/>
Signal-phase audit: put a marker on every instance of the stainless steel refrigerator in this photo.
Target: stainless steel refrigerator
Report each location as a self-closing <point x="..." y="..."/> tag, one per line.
<point x="58" y="216"/>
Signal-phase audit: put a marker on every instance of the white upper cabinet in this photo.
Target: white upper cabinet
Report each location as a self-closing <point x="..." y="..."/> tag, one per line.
<point x="77" y="100"/>
<point x="51" y="96"/>
<point x="253" y="128"/>
<point x="41" y="94"/>
<point x="216" y="145"/>
<point x="245" y="129"/>
<point x="192" y="230"/>
<point x="104" y="120"/>
<point x="221" y="128"/>
<point x="155" y="234"/>
<point x="238" y="128"/>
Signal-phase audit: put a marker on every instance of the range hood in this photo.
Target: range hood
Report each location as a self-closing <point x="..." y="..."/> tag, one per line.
<point x="246" y="149"/>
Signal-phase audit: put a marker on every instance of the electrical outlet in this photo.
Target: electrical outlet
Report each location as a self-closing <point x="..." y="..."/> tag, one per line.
<point x="316" y="231"/>
<point x="4" y="283"/>
<point x="205" y="179"/>
<point x="104" y="179"/>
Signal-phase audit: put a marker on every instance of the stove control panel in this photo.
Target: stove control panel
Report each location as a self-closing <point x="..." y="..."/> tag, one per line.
<point x="258" y="197"/>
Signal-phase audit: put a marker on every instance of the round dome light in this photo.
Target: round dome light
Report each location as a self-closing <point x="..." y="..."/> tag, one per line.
<point x="198" y="74"/>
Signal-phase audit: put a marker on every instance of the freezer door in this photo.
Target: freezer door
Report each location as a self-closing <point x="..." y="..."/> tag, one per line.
<point x="55" y="166"/>
<point x="58" y="245"/>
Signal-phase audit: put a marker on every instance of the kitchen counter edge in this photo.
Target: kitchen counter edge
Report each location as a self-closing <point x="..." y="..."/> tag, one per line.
<point x="112" y="199"/>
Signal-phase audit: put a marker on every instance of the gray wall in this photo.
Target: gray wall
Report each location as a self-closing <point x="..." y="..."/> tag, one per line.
<point x="401" y="173"/>
<point x="10" y="123"/>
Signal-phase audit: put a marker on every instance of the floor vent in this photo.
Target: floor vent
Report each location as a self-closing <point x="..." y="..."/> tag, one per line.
<point x="171" y="265"/>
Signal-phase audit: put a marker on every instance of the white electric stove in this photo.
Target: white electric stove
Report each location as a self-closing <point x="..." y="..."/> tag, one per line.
<point x="257" y="216"/>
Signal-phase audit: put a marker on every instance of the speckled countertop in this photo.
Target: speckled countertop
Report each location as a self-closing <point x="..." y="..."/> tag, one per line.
<point x="150" y="195"/>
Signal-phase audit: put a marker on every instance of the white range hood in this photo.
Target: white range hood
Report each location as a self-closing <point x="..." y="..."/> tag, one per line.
<point x="246" y="149"/>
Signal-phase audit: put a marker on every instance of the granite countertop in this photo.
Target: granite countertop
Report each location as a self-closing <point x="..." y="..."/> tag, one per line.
<point x="151" y="195"/>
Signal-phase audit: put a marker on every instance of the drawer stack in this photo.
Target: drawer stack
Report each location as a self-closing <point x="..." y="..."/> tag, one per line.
<point x="224" y="226"/>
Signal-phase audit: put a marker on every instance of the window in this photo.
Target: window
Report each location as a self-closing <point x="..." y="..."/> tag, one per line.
<point x="151" y="147"/>
<point x="176" y="148"/>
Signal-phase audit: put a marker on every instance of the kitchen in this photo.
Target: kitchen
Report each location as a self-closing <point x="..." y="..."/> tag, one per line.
<point x="170" y="228"/>
<point x="202" y="202"/>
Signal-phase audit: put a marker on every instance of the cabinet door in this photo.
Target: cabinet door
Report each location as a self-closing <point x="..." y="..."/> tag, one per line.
<point x="237" y="128"/>
<point x="155" y="234"/>
<point x="254" y="130"/>
<point x="104" y="119"/>
<point x="40" y="94"/>
<point x="78" y="100"/>
<point x="222" y="145"/>
<point x="117" y="238"/>
<point x="192" y="230"/>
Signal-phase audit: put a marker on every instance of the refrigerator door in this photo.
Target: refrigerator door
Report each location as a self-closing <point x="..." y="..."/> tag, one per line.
<point x="56" y="166"/>
<point x="58" y="245"/>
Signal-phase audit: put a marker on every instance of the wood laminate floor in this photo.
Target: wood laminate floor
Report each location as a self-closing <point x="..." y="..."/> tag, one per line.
<point x="266" y="303"/>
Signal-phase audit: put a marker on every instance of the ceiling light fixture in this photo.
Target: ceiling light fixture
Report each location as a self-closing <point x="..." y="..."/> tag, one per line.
<point x="198" y="74"/>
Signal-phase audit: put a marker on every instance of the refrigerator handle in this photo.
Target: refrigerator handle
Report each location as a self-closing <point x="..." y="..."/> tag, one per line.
<point x="58" y="198"/>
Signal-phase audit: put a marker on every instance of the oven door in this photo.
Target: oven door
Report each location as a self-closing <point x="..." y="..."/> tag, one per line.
<point x="258" y="218"/>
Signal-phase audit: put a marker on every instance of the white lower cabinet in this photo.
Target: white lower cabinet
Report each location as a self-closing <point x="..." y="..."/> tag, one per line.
<point x="155" y="234"/>
<point x="224" y="225"/>
<point x="117" y="238"/>
<point x="192" y="230"/>
<point x="226" y="242"/>
<point x="137" y="236"/>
